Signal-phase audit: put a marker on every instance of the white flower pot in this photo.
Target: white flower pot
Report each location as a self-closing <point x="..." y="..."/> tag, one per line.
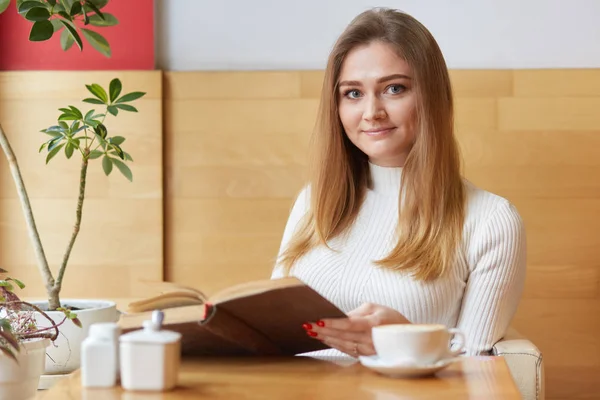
<point x="19" y="380"/>
<point x="64" y="355"/>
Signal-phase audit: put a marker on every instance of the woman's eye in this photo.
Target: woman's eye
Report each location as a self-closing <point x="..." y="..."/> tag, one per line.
<point x="395" y="89"/>
<point x="352" y="94"/>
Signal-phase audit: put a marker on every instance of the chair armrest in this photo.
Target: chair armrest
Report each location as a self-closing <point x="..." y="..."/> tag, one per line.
<point x="525" y="363"/>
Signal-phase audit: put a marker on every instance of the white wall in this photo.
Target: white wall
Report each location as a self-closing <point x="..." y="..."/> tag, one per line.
<point x="285" y="34"/>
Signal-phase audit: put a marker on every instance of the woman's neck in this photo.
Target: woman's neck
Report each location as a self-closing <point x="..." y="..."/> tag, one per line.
<point x="385" y="179"/>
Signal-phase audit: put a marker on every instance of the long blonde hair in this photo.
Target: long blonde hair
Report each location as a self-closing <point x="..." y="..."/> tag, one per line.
<point x="431" y="196"/>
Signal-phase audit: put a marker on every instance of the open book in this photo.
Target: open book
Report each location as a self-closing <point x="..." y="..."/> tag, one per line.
<point x="254" y="318"/>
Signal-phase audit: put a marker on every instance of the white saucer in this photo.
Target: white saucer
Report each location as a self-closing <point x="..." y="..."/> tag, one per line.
<point x="403" y="370"/>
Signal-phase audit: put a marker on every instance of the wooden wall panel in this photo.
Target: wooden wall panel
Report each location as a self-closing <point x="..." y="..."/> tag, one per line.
<point x="236" y="158"/>
<point x="121" y="239"/>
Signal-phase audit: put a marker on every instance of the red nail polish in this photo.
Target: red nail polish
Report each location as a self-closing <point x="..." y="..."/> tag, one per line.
<point x="311" y="333"/>
<point x="308" y="327"/>
<point x="321" y="323"/>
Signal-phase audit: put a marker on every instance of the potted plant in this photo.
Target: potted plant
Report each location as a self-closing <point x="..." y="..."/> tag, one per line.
<point x="23" y="341"/>
<point x="81" y="134"/>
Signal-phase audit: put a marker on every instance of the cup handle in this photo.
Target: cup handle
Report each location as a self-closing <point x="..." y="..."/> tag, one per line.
<point x="457" y="333"/>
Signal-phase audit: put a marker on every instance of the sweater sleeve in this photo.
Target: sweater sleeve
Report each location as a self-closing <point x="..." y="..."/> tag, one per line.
<point x="497" y="258"/>
<point x="298" y="211"/>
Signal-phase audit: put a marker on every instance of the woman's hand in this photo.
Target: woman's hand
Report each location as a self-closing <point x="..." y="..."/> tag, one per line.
<point x="352" y="335"/>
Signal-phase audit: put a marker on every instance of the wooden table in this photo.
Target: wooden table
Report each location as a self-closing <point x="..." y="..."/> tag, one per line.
<point x="304" y="378"/>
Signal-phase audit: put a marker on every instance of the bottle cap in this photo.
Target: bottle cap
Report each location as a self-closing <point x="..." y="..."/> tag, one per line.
<point x="152" y="332"/>
<point x="105" y="331"/>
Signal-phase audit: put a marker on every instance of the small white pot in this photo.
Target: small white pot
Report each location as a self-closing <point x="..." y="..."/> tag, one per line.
<point x="19" y="380"/>
<point x="64" y="355"/>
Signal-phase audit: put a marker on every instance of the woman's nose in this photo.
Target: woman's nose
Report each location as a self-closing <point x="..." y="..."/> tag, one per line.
<point x="373" y="109"/>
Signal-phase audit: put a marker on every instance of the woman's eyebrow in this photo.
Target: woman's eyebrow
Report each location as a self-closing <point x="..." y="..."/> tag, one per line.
<point x="380" y="80"/>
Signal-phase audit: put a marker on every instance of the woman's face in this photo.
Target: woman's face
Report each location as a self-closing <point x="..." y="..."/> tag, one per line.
<point x="377" y="103"/>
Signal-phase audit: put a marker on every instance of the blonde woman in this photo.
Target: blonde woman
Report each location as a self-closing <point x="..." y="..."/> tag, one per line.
<point x="387" y="228"/>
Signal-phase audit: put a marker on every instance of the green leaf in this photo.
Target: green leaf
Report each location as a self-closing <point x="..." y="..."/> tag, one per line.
<point x="88" y="115"/>
<point x="67" y="3"/>
<point x="123" y="168"/>
<point x="56" y="128"/>
<point x="65" y="15"/>
<point x="126" y="107"/>
<point x="75" y="9"/>
<point x="64" y="125"/>
<point x="5" y="325"/>
<point x="7" y="285"/>
<point x="40" y="31"/>
<point x="69" y="150"/>
<point x="53" y="153"/>
<point x="100" y="140"/>
<point x="118" y="140"/>
<point x="76" y="112"/>
<point x="100" y="4"/>
<point x="51" y="2"/>
<point x="28" y="5"/>
<point x="66" y="40"/>
<point x="107" y="165"/>
<point x="97" y="41"/>
<point x="20" y="284"/>
<point x="94" y="8"/>
<point x="67" y="117"/>
<point x="53" y="143"/>
<point x="8" y="352"/>
<point x="98" y="91"/>
<point x="95" y="154"/>
<point x="113" y="110"/>
<point x="38" y="14"/>
<point x="42" y="147"/>
<point x="127" y="156"/>
<point x="73" y="33"/>
<point x="93" y="101"/>
<point x="75" y="126"/>
<point x="119" y="151"/>
<point x="109" y="20"/>
<point x="130" y="97"/>
<point x="53" y="134"/>
<point x="115" y="89"/>
<point x="8" y="336"/>
<point x="56" y="25"/>
<point x="93" y="123"/>
<point x="101" y="131"/>
<point x="4" y="5"/>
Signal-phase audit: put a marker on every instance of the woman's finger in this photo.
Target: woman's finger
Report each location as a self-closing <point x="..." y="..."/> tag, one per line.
<point x="355" y="324"/>
<point x="352" y="336"/>
<point x="353" y="349"/>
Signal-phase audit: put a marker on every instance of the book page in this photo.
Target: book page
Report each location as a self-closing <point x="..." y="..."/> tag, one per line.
<point x="252" y="288"/>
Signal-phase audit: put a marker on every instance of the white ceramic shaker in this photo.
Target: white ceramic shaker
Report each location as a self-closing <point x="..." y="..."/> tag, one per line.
<point x="100" y="355"/>
<point x="150" y="357"/>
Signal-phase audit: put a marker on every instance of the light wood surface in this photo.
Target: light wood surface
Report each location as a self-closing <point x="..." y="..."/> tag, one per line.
<point x="235" y="149"/>
<point x="306" y="378"/>
<point x="120" y="240"/>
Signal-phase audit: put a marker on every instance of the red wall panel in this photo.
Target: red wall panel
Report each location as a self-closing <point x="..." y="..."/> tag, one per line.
<point x="131" y="42"/>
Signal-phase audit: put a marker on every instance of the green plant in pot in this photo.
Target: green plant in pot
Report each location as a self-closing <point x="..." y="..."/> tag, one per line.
<point x="81" y="134"/>
<point x="23" y="341"/>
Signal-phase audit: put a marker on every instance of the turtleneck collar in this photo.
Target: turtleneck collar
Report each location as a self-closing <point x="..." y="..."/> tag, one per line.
<point x="385" y="179"/>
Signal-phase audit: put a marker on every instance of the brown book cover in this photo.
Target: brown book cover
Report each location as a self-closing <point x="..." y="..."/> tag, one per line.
<point x="255" y="318"/>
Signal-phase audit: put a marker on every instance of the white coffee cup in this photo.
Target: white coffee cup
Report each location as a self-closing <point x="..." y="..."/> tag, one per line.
<point x="417" y="344"/>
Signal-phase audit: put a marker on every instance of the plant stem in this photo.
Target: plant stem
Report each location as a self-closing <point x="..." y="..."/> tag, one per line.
<point x="63" y="265"/>
<point x="24" y="198"/>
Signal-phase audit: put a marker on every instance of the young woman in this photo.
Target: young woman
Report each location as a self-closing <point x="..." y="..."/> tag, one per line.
<point x="387" y="228"/>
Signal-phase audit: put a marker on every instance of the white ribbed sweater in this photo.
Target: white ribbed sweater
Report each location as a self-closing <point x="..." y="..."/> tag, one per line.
<point x="479" y="296"/>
